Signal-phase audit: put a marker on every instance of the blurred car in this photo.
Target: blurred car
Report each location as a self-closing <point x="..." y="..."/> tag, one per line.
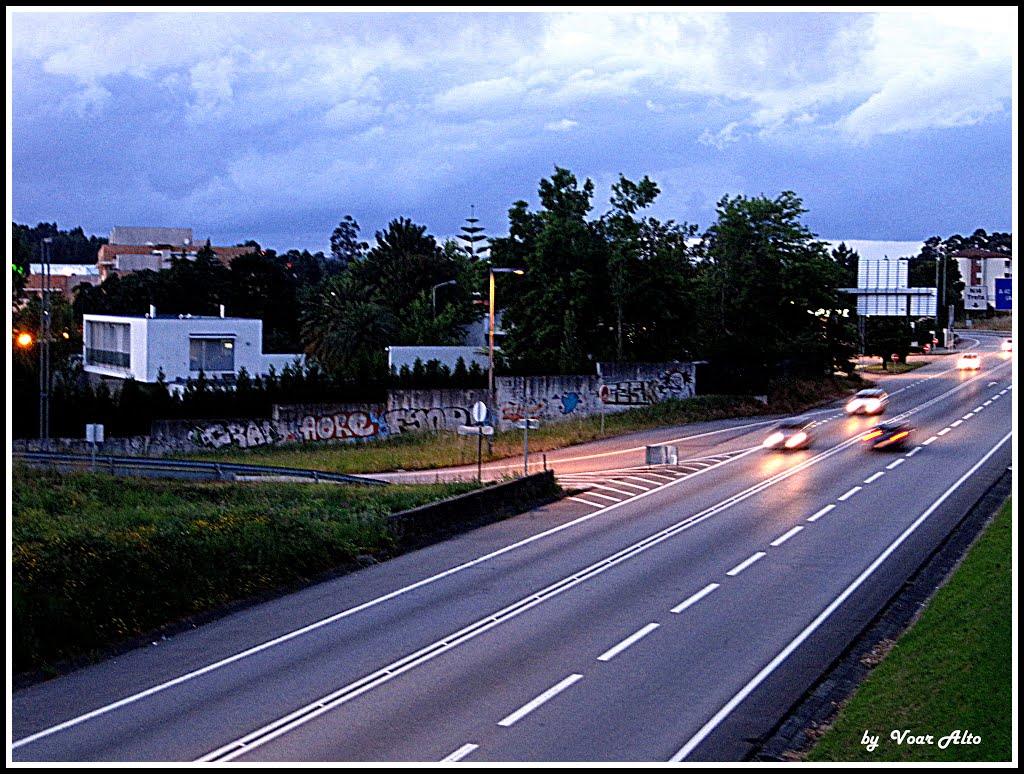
<point x="888" y="435"/>
<point x="790" y="435"/>
<point x="873" y="401"/>
<point x="1007" y="345"/>
<point x="969" y="361"/>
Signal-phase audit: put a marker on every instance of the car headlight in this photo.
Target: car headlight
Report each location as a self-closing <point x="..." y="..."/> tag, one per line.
<point x="772" y="440"/>
<point x="796" y="440"/>
<point x="852" y="406"/>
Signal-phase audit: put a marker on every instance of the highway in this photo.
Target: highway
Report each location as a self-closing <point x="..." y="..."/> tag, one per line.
<point x="664" y="617"/>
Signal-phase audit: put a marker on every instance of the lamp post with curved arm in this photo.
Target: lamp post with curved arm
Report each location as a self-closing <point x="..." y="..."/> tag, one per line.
<point x="490" y="332"/>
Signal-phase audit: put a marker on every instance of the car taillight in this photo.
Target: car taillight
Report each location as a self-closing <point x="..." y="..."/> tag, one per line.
<point x="872" y="435"/>
<point x="900" y="435"/>
<point x="772" y="440"/>
<point x="796" y="440"/>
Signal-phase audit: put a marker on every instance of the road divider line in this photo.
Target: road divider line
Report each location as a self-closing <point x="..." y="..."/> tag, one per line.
<point x="914" y="451"/>
<point x="459" y="754"/>
<point x="774" y="664"/>
<point x="695" y="598"/>
<point x="822" y="512"/>
<point x="930" y="441"/>
<point x="967" y="416"/>
<point x="545" y="697"/>
<point x="612" y="652"/>
<point x="850" y="493"/>
<point x="957" y="423"/>
<point x="873" y="478"/>
<point x="783" y="538"/>
<point x="896" y="464"/>
<point x="944" y="430"/>
<point x="745" y="563"/>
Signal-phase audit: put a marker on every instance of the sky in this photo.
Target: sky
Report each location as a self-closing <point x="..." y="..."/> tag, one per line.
<point x="891" y="126"/>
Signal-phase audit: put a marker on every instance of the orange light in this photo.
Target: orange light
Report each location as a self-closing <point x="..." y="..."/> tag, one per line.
<point x="24" y="339"/>
<point x="898" y="436"/>
<point x="872" y="435"/>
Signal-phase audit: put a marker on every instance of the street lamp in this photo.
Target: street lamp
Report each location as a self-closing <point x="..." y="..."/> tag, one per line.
<point x="433" y="294"/>
<point x="490" y="309"/>
<point x="44" y="348"/>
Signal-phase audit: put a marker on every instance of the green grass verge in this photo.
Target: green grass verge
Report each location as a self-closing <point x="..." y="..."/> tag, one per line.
<point x="425" y="451"/>
<point x="951" y="671"/>
<point x="892" y="368"/>
<point x="97" y="559"/>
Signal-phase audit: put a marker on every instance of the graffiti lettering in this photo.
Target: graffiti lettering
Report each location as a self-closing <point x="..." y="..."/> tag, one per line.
<point x="345" y="424"/>
<point x="625" y="394"/>
<point x="247" y="435"/>
<point x="419" y="420"/>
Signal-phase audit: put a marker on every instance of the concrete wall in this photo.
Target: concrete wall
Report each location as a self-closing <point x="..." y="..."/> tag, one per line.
<point x="547" y="398"/>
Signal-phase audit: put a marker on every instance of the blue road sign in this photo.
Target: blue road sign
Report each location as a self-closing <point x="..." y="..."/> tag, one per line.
<point x="1004" y="294"/>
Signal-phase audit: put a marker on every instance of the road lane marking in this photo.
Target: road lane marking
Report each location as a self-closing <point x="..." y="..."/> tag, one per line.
<point x="997" y="397"/>
<point x="761" y="676"/>
<point x="461" y="753"/>
<point x="967" y="416"/>
<point x="695" y="598"/>
<point x="605" y="497"/>
<point x="957" y="423"/>
<point x="645" y="480"/>
<point x="613" y="489"/>
<point x="987" y="403"/>
<point x="634" y="486"/>
<point x="612" y="652"/>
<point x="581" y="500"/>
<point x="745" y="564"/>
<point x="929" y="441"/>
<point x="547" y="696"/>
<point x="783" y="538"/>
<point x="822" y="512"/>
<point x="944" y="430"/>
<point x="873" y="478"/>
<point x="895" y="464"/>
<point x="844" y="497"/>
<point x="979" y="408"/>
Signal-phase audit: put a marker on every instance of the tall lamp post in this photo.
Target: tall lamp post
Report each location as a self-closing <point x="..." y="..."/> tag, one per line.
<point x="433" y="294"/>
<point x="490" y="347"/>
<point x="44" y="348"/>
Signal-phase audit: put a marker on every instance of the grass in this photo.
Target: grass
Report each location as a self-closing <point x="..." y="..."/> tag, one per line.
<point x="893" y="368"/>
<point x="425" y="451"/>
<point x="950" y="671"/>
<point x="97" y="559"/>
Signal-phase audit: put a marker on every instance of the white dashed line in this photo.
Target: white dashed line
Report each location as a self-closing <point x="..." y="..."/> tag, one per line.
<point x="967" y="416"/>
<point x="611" y="653"/>
<point x="997" y="397"/>
<point x="848" y="495"/>
<point x="461" y="753"/>
<point x="871" y="479"/>
<point x="783" y="538"/>
<point x="895" y="464"/>
<point x="957" y="423"/>
<point x="914" y="451"/>
<point x="549" y="694"/>
<point x="821" y="513"/>
<point x="933" y="439"/>
<point x="987" y="403"/>
<point x="745" y="564"/>
<point x="979" y="408"/>
<point x="944" y="430"/>
<point x="695" y="598"/>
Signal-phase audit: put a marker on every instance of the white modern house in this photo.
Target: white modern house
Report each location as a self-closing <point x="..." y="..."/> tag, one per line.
<point x="181" y="346"/>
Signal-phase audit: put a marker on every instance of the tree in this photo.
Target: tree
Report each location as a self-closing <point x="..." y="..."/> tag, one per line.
<point x="847" y="260"/>
<point x="345" y="245"/>
<point x="764" y="281"/>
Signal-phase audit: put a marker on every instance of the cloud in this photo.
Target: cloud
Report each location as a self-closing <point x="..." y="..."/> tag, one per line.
<point x="565" y="125"/>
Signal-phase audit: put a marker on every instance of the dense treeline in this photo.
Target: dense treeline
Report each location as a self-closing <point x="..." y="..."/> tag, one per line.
<point x="756" y="293"/>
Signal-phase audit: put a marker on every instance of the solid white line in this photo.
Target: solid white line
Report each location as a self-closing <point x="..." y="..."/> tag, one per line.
<point x="873" y="478"/>
<point x="895" y="464"/>
<point x="461" y="753"/>
<point x="581" y="500"/>
<point x="613" y="489"/>
<point x="605" y="497"/>
<point x="821" y="513"/>
<point x="695" y="598"/>
<point x="957" y="423"/>
<point x="549" y="694"/>
<point x="944" y="430"/>
<point x="914" y="451"/>
<point x="611" y="653"/>
<point x="745" y="564"/>
<point x="930" y="440"/>
<point x="849" y="494"/>
<point x="783" y="538"/>
<point x="761" y="676"/>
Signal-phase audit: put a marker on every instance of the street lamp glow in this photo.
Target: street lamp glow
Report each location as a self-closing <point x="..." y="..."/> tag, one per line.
<point x="24" y="339"/>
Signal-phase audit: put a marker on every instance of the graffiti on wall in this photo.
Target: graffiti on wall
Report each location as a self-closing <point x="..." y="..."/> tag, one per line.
<point x="419" y="420"/>
<point x="341" y="425"/>
<point x="245" y="435"/>
<point x="513" y="412"/>
<point x="674" y="383"/>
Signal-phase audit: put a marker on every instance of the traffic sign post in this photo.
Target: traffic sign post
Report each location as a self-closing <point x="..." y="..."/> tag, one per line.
<point x="479" y="413"/>
<point x="526" y="424"/>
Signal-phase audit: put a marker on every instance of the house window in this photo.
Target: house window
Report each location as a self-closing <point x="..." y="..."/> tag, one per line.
<point x="211" y="354"/>
<point x="108" y="344"/>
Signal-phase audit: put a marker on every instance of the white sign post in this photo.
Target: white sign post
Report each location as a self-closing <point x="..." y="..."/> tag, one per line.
<point x="94" y="435"/>
<point x="526" y="424"/>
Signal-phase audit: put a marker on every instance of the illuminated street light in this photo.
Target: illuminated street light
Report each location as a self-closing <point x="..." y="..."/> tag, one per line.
<point x="490" y="310"/>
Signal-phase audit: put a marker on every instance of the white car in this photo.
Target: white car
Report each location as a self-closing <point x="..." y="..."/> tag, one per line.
<point x="969" y="361"/>
<point x="871" y="401"/>
<point x="1007" y="346"/>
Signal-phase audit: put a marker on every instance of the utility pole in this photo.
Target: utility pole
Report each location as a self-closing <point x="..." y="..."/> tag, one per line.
<point x="44" y="348"/>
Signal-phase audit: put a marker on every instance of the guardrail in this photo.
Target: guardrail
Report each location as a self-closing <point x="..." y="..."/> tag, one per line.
<point x="220" y="471"/>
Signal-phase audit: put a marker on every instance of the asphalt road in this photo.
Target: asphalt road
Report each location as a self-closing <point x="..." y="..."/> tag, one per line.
<point x="676" y="619"/>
